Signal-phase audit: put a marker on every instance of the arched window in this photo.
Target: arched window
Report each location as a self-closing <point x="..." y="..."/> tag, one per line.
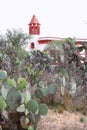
<point x="32" y="45"/>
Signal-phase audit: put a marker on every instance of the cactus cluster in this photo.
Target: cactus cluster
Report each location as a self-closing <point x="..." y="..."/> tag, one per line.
<point x="35" y="111"/>
<point x="45" y="91"/>
<point x="15" y="97"/>
<point x="34" y="107"/>
<point x="46" y="94"/>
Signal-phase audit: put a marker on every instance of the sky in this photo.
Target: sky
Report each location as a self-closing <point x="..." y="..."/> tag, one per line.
<point x="58" y="18"/>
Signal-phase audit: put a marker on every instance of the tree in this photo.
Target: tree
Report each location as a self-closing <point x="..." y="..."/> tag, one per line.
<point x="68" y="58"/>
<point x="2" y="39"/>
<point x="16" y="37"/>
<point x="55" y="50"/>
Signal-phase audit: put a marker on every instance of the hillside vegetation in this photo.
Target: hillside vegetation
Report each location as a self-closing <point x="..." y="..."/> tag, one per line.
<point x="56" y="77"/>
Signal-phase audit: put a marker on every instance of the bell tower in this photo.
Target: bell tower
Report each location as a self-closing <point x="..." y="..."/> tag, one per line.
<point x="34" y="26"/>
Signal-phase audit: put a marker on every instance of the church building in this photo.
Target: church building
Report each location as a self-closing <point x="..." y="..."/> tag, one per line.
<point x="37" y="42"/>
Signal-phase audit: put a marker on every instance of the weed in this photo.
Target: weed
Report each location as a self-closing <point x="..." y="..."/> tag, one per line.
<point x="82" y="119"/>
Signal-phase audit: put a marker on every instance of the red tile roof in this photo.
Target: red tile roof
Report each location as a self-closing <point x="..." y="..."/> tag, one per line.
<point x="34" y="20"/>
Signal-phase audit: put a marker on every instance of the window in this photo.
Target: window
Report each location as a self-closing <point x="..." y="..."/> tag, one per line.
<point x="32" y="45"/>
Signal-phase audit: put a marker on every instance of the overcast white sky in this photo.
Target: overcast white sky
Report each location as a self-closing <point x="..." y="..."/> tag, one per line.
<point x="61" y="18"/>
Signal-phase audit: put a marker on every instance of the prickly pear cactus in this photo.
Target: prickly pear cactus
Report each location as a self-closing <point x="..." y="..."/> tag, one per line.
<point x="6" y="86"/>
<point x="21" y="83"/>
<point x="3" y="74"/>
<point x="13" y="98"/>
<point x="11" y="82"/>
<point x="26" y="96"/>
<point x="37" y="119"/>
<point x="34" y="118"/>
<point x="43" y="109"/>
<point x="41" y="84"/>
<point x="31" y="117"/>
<point x="30" y="128"/>
<point x="44" y="91"/>
<point x="21" y="108"/>
<point x="3" y="104"/>
<point x="4" y="91"/>
<point x="32" y="106"/>
<point x="52" y="89"/>
<point x="38" y="93"/>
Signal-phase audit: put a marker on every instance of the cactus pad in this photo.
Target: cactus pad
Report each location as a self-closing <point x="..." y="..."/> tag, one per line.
<point x="26" y="96"/>
<point x="37" y="119"/>
<point x="31" y="117"/>
<point x="41" y="83"/>
<point x="3" y="74"/>
<point x="52" y="89"/>
<point x="32" y="106"/>
<point x="30" y="128"/>
<point x="22" y="83"/>
<point x="38" y="93"/>
<point x="13" y="98"/>
<point x="11" y="82"/>
<point x="45" y="91"/>
<point x="3" y="104"/>
<point x="43" y="109"/>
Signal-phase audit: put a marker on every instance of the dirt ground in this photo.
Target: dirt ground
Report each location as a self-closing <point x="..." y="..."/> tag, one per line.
<point x="62" y="121"/>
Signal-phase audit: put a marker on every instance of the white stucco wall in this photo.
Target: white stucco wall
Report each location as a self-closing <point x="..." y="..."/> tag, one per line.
<point x="34" y="39"/>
